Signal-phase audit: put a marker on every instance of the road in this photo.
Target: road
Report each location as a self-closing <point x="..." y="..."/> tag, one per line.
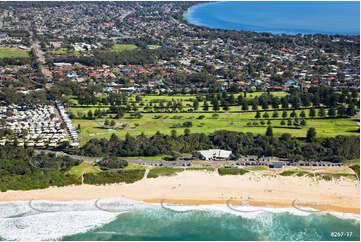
<point x="1" y="20"/>
<point x="75" y="157"/>
<point x="41" y="57"/>
<point x="133" y="161"/>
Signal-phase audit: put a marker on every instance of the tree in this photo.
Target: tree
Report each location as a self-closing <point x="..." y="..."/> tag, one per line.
<point x="293" y="114"/>
<point x="174" y="134"/>
<point x="341" y="111"/>
<point x="303" y="122"/>
<point x="245" y="106"/>
<point x="312" y="113"/>
<point x="240" y="99"/>
<point x="331" y="112"/>
<point x="175" y="155"/>
<point x="265" y="115"/>
<point x="269" y="122"/>
<point x="90" y="114"/>
<point x="216" y="106"/>
<point x="283" y="122"/>
<point x="205" y="106"/>
<point x="289" y="122"/>
<point x="258" y="115"/>
<point x="269" y="131"/>
<point x="275" y="114"/>
<point x="284" y="114"/>
<point x="264" y="106"/>
<point x="303" y="114"/>
<point x="350" y="111"/>
<point x="106" y="122"/>
<point x="225" y="107"/>
<point x="195" y="104"/>
<point x="187" y="132"/>
<point x="311" y="135"/>
<point x="321" y="113"/>
<point x="112" y="123"/>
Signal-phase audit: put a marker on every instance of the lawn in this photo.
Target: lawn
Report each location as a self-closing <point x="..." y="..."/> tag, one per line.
<point x="13" y="53"/>
<point x="82" y="168"/>
<point x="123" y="47"/>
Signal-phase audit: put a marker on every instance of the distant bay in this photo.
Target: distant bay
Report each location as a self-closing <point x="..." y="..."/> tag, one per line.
<point x="279" y="17"/>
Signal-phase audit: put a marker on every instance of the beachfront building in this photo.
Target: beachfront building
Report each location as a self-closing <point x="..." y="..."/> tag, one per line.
<point x="215" y="154"/>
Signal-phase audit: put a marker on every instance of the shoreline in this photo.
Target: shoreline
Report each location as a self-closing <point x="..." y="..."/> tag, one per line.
<point x="205" y="188"/>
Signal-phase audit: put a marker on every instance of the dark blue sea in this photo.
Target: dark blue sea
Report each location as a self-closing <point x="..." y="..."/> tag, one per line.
<point x="279" y="17"/>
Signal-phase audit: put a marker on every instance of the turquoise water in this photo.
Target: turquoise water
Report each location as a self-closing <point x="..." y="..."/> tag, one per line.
<point x="279" y="17"/>
<point x="155" y="224"/>
<point x="90" y="220"/>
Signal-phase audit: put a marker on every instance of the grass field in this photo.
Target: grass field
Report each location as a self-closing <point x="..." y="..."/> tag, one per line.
<point x="13" y="53"/>
<point x="153" y="46"/>
<point x="123" y="47"/>
<point x="82" y="168"/>
<point x="226" y="121"/>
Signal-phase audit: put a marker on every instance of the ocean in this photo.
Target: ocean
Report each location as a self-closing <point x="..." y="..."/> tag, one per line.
<point x="279" y="17"/>
<point x="120" y="219"/>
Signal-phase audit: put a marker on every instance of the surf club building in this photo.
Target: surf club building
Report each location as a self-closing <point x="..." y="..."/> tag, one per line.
<point x="214" y="154"/>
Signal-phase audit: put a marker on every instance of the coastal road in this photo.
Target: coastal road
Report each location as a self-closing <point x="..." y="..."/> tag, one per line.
<point x="129" y="160"/>
<point x="75" y="157"/>
<point x="95" y="159"/>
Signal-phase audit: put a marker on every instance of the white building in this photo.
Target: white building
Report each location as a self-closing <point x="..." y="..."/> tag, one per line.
<point x="215" y="154"/>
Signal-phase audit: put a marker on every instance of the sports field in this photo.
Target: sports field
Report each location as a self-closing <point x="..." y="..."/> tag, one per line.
<point x="123" y="47"/>
<point x="13" y="53"/>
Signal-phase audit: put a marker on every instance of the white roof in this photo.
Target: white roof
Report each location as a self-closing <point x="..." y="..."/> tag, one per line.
<point x="213" y="153"/>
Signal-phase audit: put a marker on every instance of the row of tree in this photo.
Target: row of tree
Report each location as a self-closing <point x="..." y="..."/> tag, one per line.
<point x="334" y="149"/>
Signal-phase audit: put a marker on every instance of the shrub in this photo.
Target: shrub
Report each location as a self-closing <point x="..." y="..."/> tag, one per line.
<point x="163" y="171"/>
<point x="231" y="171"/>
<point x="107" y="177"/>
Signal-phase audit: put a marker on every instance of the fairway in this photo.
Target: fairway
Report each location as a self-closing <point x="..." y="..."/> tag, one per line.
<point x="186" y="101"/>
<point x="149" y="124"/>
<point x="13" y="53"/>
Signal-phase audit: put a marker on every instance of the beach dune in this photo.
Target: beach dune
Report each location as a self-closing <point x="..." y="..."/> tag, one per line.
<point x="201" y="187"/>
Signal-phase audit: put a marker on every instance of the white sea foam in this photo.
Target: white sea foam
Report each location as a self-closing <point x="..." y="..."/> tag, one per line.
<point x="18" y="221"/>
<point x="249" y="211"/>
<point x="70" y="218"/>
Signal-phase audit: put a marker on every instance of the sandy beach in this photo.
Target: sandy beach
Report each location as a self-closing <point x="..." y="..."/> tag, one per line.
<point x="200" y="187"/>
